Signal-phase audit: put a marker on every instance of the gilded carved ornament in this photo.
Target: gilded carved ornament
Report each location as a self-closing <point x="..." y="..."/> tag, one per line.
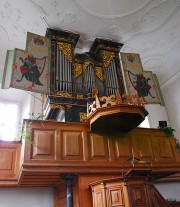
<point x="66" y="48"/>
<point x="64" y="94"/>
<point x="57" y="38"/>
<point x="107" y="58"/>
<point x="56" y="106"/>
<point x="80" y="96"/>
<point x="99" y="73"/>
<point x="77" y="69"/>
<point x="83" y="117"/>
<point x="85" y="64"/>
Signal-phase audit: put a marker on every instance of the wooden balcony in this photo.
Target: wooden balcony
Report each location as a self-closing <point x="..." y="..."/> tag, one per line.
<point x="71" y="148"/>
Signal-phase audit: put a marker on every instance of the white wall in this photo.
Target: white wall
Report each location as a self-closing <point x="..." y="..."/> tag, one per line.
<point x="169" y="190"/>
<point x="26" y="197"/>
<point x="25" y="110"/>
<point x="156" y="113"/>
<point x="43" y="197"/>
<point x="171" y="94"/>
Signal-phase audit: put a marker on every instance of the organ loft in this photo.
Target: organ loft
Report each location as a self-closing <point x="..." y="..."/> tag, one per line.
<point x="89" y="148"/>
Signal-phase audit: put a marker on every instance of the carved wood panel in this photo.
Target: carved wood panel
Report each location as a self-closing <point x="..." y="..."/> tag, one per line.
<point x="98" y="147"/>
<point x="9" y="160"/>
<point x="142" y="147"/>
<point x="71" y="145"/>
<point x="138" y="195"/>
<point x="115" y="196"/>
<point x="99" y="198"/>
<point x="162" y="149"/>
<point x="122" y="147"/>
<point x="45" y="145"/>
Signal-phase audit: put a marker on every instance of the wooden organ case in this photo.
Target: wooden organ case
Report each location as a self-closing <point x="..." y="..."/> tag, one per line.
<point x="75" y="79"/>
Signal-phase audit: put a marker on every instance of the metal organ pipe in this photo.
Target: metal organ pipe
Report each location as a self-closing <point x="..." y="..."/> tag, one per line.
<point x="116" y="86"/>
<point x="89" y="78"/>
<point x="63" y="72"/>
<point x="111" y="78"/>
<point x="57" y="67"/>
<point x="108" y="81"/>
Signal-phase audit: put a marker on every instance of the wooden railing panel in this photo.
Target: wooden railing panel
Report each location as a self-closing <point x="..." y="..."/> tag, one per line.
<point x="115" y="195"/>
<point x="71" y="145"/>
<point x="122" y="147"/>
<point x="9" y="161"/>
<point x="44" y="147"/>
<point x="98" y="147"/>
<point x="142" y="147"/>
<point x="163" y="149"/>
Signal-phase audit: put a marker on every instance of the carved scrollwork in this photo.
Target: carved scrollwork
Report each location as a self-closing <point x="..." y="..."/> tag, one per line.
<point x="86" y="64"/>
<point x="83" y="116"/>
<point x="56" y="106"/>
<point x="99" y="73"/>
<point x="64" y="94"/>
<point x="77" y="70"/>
<point x="107" y="58"/>
<point x="66" y="48"/>
<point x="80" y="96"/>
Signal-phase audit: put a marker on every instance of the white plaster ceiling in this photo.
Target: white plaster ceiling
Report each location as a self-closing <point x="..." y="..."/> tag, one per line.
<point x="148" y="27"/>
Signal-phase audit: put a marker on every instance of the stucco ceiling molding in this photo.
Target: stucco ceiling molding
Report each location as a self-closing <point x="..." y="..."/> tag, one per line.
<point x="171" y="80"/>
<point x="153" y="63"/>
<point x="16" y="21"/>
<point x="139" y="22"/>
<point x="82" y="6"/>
<point x="42" y="15"/>
<point x="3" y="34"/>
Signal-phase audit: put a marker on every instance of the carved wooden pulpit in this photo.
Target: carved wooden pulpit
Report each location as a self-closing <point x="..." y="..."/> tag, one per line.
<point x="133" y="189"/>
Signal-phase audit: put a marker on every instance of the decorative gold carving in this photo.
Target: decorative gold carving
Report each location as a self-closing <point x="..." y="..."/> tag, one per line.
<point x="64" y="94"/>
<point x="85" y="64"/>
<point x="77" y="70"/>
<point x="95" y="91"/>
<point x="115" y="100"/>
<point x="83" y="116"/>
<point x="99" y="73"/>
<point x="56" y="106"/>
<point x="66" y="48"/>
<point x="80" y="96"/>
<point x="107" y="58"/>
<point x="109" y="101"/>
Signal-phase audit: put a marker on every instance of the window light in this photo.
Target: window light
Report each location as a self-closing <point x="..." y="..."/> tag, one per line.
<point x="8" y="121"/>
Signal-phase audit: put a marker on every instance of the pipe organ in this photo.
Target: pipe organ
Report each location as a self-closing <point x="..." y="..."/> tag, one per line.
<point x="75" y="79"/>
